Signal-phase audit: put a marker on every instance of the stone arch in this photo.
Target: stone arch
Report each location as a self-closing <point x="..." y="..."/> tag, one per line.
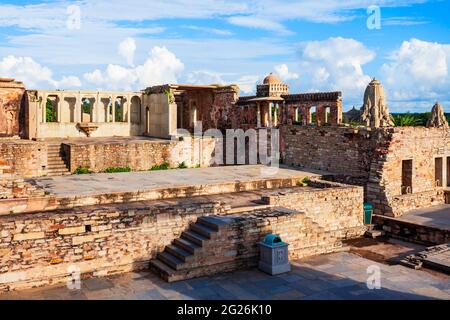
<point x="51" y="108"/>
<point x="87" y="107"/>
<point x="119" y="109"/>
<point x="135" y="110"/>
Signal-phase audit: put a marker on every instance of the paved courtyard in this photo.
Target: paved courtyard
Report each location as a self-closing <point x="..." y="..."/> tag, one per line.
<point x="104" y="183"/>
<point x="436" y="217"/>
<point x="338" y="276"/>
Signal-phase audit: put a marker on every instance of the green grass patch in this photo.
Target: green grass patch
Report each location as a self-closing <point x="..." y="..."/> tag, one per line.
<point x="82" y="170"/>
<point x="303" y="183"/>
<point x="117" y="169"/>
<point x="163" y="166"/>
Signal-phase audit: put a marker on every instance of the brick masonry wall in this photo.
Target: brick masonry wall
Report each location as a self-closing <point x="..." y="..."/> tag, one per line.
<point x="236" y="244"/>
<point x="23" y="158"/>
<point x="373" y="158"/>
<point x="338" y="150"/>
<point x="422" y="146"/>
<point x="333" y="206"/>
<point x="38" y="249"/>
<point x="140" y="155"/>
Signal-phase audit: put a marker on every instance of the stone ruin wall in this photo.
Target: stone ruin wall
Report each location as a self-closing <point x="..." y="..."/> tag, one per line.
<point x="215" y="107"/>
<point x="373" y="158"/>
<point x="140" y="155"/>
<point x="11" y="96"/>
<point x="23" y="158"/>
<point x="333" y="206"/>
<point x="38" y="248"/>
<point x="421" y="145"/>
<point x="338" y="150"/>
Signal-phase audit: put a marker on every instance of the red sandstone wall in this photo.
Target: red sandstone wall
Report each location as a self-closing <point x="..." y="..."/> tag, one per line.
<point x="338" y="150"/>
<point x="11" y="94"/>
<point x="24" y="158"/>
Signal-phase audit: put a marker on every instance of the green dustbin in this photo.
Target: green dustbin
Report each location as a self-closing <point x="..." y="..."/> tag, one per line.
<point x="368" y="211"/>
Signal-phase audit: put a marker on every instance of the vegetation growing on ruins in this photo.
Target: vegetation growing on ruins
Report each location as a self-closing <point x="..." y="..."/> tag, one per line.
<point x="163" y="166"/>
<point x="182" y="165"/>
<point x="82" y="170"/>
<point x="117" y="169"/>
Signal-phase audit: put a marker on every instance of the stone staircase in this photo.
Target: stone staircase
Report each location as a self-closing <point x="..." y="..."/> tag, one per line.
<point x="217" y="244"/>
<point x="56" y="162"/>
<point x="182" y="259"/>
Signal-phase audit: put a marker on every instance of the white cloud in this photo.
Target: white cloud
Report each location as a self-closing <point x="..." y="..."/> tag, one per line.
<point x="248" y="83"/>
<point x="215" y="31"/>
<point x="259" y="23"/>
<point x="337" y="64"/>
<point x="283" y="72"/>
<point x="418" y="70"/>
<point x="33" y="74"/>
<point x="127" y="48"/>
<point x="205" y="77"/>
<point x="162" y="66"/>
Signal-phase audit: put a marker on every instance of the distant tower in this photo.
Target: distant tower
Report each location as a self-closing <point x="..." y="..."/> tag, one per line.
<point x="375" y="110"/>
<point x="272" y="87"/>
<point x="437" y="119"/>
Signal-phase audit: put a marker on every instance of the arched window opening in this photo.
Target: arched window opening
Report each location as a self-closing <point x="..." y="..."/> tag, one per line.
<point x="51" y="109"/>
<point x="135" y="110"/>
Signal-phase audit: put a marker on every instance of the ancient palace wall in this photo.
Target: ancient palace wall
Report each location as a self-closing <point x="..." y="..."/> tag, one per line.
<point x="140" y="154"/>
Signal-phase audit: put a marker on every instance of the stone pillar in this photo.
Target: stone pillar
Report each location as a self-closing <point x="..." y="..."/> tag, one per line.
<point x="276" y="111"/>
<point x="258" y="115"/>
<point x="44" y="108"/>
<point x="129" y="108"/>
<point x="270" y="115"/>
<point x="320" y="115"/>
<point x="59" y="101"/>
<point x="307" y="117"/>
<point x="78" y="108"/>
<point x="113" y="108"/>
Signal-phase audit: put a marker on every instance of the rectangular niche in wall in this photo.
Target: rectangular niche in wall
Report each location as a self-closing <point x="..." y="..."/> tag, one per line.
<point x="407" y="170"/>
<point x="438" y="170"/>
<point x="448" y="171"/>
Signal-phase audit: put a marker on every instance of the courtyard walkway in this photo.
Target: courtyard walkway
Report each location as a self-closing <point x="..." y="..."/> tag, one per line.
<point x="436" y="217"/>
<point x="104" y="183"/>
<point x="338" y="276"/>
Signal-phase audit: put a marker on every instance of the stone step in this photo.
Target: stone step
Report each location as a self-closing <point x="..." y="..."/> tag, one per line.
<point x="194" y="237"/>
<point x="203" y="230"/>
<point x="57" y="166"/>
<point x="162" y="269"/>
<point x="186" y="245"/>
<point x="170" y="260"/>
<point x="213" y="222"/>
<point x="178" y="252"/>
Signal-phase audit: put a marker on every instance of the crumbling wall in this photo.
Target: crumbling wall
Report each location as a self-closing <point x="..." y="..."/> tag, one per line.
<point x="11" y="96"/>
<point x="41" y="248"/>
<point x="141" y="154"/>
<point x="333" y="206"/>
<point x="338" y="150"/>
<point x="23" y="158"/>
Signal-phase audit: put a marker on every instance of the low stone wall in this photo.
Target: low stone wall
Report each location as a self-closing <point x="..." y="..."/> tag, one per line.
<point x="235" y="245"/>
<point x="412" y="232"/>
<point x="23" y="158"/>
<point x="139" y="154"/>
<point x="405" y="203"/>
<point x="39" y="249"/>
<point x="334" y="206"/>
<point x="339" y="150"/>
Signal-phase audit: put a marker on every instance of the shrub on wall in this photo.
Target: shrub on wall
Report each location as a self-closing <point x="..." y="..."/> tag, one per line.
<point x="163" y="166"/>
<point x="82" y="170"/>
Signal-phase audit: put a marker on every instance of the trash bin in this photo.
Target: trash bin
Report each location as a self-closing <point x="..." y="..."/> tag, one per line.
<point x="368" y="211"/>
<point x="274" y="257"/>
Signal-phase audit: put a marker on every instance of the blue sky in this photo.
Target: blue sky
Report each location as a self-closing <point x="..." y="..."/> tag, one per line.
<point x="313" y="45"/>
